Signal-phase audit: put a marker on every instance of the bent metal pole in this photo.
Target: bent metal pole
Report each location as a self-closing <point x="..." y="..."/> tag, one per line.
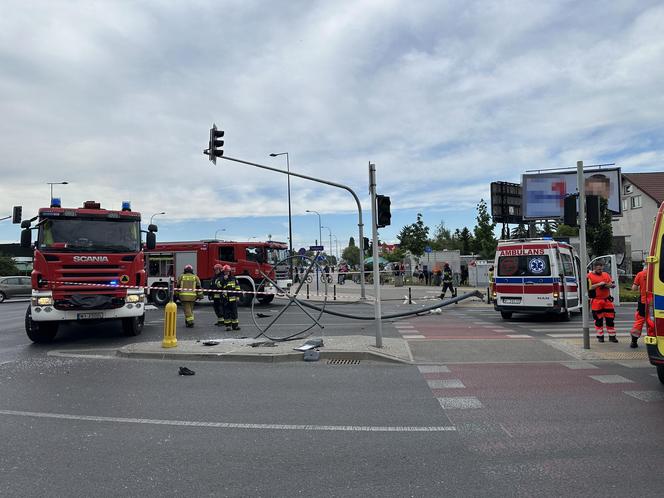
<point x="333" y="184"/>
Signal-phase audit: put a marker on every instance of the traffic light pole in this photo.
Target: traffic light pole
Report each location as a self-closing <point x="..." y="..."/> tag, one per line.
<point x="583" y="253"/>
<point x="319" y="180"/>
<point x="374" y="256"/>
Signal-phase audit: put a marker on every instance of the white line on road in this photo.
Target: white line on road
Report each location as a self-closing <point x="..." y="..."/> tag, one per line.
<point x="232" y="425"/>
<point x="413" y="336"/>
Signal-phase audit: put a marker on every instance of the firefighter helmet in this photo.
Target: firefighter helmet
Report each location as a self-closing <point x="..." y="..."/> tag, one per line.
<point x="227" y="268"/>
<point x="218" y="267"/>
<point x="189" y="268"/>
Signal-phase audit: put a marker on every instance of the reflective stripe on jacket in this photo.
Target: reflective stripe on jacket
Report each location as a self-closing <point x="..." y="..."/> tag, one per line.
<point x="189" y="283"/>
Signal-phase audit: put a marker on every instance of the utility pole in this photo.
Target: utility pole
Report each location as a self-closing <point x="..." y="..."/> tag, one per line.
<point x="374" y="256"/>
<point x="583" y="253"/>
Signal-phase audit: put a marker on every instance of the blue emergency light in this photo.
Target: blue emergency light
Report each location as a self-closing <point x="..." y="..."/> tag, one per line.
<point x="113" y="282"/>
<point x="126" y="206"/>
<point x="56" y="202"/>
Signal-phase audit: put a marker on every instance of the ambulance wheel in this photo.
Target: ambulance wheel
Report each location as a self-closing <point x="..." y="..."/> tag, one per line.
<point x="247" y="296"/>
<point x="39" y="332"/>
<point x="160" y="296"/>
<point x="565" y="316"/>
<point x="133" y="326"/>
<point x="265" y="299"/>
<point x="506" y="315"/>
<point x="660" y="373"/>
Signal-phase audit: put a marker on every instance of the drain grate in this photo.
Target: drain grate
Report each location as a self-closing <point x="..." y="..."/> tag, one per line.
<point x="341" y="361"/>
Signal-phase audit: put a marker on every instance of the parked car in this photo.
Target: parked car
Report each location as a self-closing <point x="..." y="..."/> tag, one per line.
<point x="14" y="287"/>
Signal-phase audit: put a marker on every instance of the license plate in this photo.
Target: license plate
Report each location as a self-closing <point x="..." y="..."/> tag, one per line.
<point x="89" y="316"/>
<point x="512" y="300"/>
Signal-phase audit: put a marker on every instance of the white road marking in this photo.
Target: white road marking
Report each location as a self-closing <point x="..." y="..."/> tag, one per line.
<point x="232" y="425"/>
<point x="646" y="395"/>
<point x="519" y="336"/>
<point x="445" y="384"/>
<point x="611" y="379"/>
<point x="433" y="369"/>
<point x="577" y="365"/>
<point x="413" y="336"/>
<point x="460" y="403"/>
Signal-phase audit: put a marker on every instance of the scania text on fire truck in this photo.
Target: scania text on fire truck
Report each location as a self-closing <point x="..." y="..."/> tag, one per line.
<point x="247" y="259"/>
<point x="88" y="265"/>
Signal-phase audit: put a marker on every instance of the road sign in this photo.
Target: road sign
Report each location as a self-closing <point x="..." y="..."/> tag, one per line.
<point x="302" y="251"/>
<point x="316" y="248"/>
<point x="428" y="249"/>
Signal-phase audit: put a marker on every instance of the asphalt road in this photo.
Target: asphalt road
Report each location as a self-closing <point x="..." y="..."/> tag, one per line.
<point x="488" y="408"/>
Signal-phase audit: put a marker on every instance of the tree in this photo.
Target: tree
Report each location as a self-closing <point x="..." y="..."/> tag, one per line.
<point x="395" y="256"/>
<point x="520" y="231"/>
<point x="351" y="255"/>
<point x="351" y="242"/>
<point x="442" y="238"/>
<point x="485" y="240"/>
<point x="414" y="237"/>
<point x="7" y="266"/>
<point x="466" y="240"/>
<point x="600" y="238"/>
<point x="566" y="231"/>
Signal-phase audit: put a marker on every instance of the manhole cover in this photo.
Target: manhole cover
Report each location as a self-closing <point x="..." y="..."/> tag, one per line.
<point x="340" y="361"/>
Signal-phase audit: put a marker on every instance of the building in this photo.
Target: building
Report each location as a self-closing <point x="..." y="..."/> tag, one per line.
<point x="641" y="195"/>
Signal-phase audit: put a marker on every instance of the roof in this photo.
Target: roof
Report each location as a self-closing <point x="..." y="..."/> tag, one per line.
<point x="651" y="184"/>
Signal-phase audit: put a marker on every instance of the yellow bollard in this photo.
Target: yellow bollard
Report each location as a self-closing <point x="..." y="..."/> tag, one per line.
<point x="170" y="318"/>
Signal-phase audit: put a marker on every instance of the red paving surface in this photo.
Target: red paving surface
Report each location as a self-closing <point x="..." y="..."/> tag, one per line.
<point x="452" y="327"/>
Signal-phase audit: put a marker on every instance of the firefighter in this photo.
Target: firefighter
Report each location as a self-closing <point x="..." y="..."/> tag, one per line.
<point x="448" y="281"/>
<point x="189" y="286"/>
<point x="640" y="283"/>
<point x="230" y="297"/>
<point x="217" y="301"/>
<point x="601" y="302"/>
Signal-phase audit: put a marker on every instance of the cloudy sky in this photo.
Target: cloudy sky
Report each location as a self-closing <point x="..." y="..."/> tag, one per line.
<point x="117" y="97"/>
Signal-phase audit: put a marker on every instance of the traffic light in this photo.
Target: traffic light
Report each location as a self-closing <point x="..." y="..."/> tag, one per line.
<point x="592" y="210"/>
<point x="569" y="215"/>
<point x="366" y="244"/>
<point x="214" y="149"/>
<point x="384" y="216"/>
<point x="18" y="213"/>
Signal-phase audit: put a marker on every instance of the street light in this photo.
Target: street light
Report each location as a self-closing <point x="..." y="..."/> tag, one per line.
<point x="55" y="183"/>
<point x="156" y="214"/>
<point x="330" y="232"/>
<point x="320" y="237"/>
<point x="220" y="230"/>
<point x="290" y="224"/>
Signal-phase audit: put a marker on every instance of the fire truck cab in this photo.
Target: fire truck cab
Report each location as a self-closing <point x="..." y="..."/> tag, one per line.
<point x="536" y="276"/>
<point x="249" y="261"/>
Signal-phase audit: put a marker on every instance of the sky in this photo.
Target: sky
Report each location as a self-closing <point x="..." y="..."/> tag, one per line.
<point x="444" y="97"/>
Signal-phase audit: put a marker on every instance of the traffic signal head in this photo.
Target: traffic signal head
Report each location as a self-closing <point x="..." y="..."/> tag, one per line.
<point x="17" y="214"/>
<point x="384" y="217"/>
<point x="215" y="145"/>
<point x="569" y="214"/>
<point x="366" y="244"/>
<point x="592" y="210"/>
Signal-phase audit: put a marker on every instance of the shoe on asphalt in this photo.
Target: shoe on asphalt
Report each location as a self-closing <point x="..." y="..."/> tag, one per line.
<point x="228" y="329"/>
<point x="613" y="338"/>
<point x="186" y="371"/>
<point x="217" y="324"/>
<point x="600" y="338"/>
<point x="237" y="327"/>
<point x="634" y="342"/>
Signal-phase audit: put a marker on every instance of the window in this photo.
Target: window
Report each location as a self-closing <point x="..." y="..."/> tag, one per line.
<point x="255" y="254"/>
<point x="524" y="266"/>
<point x="628" y="189"/>
<point x="26" y="281"/>
<point x="227" y="253"/>
<point x="11" y="281"/>
<point x="625" y="203"/>
<point x="636" y="201"/>
<point x="568" y="268"/>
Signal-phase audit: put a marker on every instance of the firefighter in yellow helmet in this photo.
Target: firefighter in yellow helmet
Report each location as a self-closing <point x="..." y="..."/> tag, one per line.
<point x="189" y="286"/>
<point x="230" y="297"/>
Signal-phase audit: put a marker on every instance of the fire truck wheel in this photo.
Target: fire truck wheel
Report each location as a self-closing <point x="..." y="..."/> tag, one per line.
<point x="247" y="296"/>
<point x="660" y="373"/>
<point x="506" y="315"/>
<point x="160" y="297"/>
<point x="39" y="332"/>
<point x="265" y="299"/>
<point x="133" y="326"/>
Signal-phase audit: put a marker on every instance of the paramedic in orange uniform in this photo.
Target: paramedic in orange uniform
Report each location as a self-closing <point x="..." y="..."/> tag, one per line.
<point x="640" y="283"/>
<point x="601" y="302"/>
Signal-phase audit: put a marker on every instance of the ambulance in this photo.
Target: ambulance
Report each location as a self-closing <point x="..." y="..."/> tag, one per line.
<point x="536" y="276"/>
<point x="654" y="339"/>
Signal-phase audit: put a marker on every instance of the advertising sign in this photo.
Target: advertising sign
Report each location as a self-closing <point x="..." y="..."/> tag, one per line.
<point x="544" y="193"/>
<point x="506" y="202"/>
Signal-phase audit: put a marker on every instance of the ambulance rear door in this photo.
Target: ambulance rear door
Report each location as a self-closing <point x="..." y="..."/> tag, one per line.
<point x="537" y="278"/>
<point x="569" y="272"/>
<point x="508" y="282"/>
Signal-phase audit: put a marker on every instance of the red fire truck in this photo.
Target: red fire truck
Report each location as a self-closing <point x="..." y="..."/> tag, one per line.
<point x="86" y="263"/>
<point x="248" y="259"/>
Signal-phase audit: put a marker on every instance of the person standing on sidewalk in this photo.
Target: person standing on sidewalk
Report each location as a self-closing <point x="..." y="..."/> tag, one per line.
<point x="448" y="281"/>
<point x="601" y="302"/>
<point x="217" y="301"/>
<point x="640" y="317"/>
<point x="189" y="286"/>
<point x="230" y="296"/>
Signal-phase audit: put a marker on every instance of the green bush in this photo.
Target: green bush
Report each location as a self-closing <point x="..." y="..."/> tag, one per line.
<point x="627" y="295"/>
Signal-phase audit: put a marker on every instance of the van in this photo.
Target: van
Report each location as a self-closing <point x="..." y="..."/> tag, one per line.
<point x="536" y="276"/>
<point x="654" y="340"/>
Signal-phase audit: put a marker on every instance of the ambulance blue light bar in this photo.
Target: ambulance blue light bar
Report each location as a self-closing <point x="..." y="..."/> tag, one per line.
<point x="56" y="202"/>
<point x="126" y="206"/>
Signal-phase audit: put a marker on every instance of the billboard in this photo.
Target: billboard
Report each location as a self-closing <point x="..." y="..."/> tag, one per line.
<point x="506" y="202"/>
<point x="544" y="193"/>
